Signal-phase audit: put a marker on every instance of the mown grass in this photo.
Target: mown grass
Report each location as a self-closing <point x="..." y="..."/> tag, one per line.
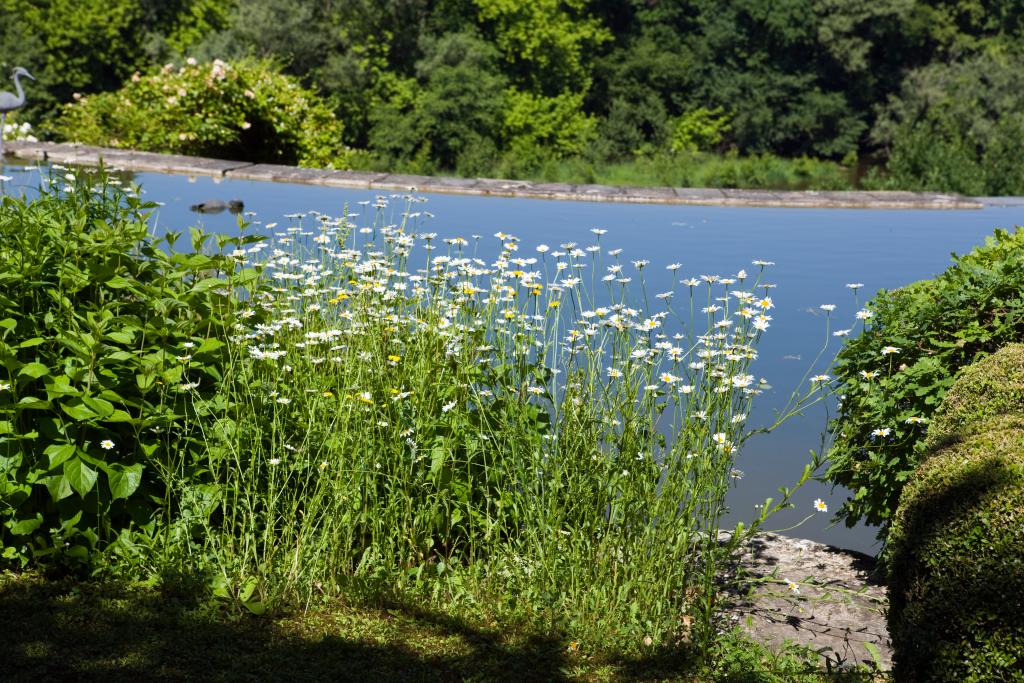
<point x="114" y="631"/>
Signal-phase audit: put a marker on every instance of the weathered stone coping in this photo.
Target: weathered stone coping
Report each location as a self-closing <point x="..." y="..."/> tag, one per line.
<point x="69" y="153"/>
<point x="839" y="609"/>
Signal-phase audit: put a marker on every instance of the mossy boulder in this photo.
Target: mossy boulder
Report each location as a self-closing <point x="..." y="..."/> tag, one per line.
<point x="956" y="556"/>
<point x="987" y="388"/>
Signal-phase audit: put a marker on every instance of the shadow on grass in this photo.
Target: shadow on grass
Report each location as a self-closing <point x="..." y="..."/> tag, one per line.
<point x="68" y="631"/>
<point x="74" y="631"/>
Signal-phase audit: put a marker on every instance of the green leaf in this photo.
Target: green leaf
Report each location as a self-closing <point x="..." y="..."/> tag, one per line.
<point x="33" y="403"/>
<point x="29" y="343"/>
<point x="81" y="477"/>
<point x="118" y="282"/>
<point x="121" y="337"/>
<point x="255" y="606"/>
<point x="60" y="386"/>
<point x="209" y="345"/>
<point x="209" y="283"/>
<point x="25" y="526"/>
<point x="123" y="481"/>
<point x="78" y="411"/>
<point x="248" y="588"/>
<point x="58" y="453"/>
<point x="102" y="408"/>
<point x="119" y="416"/>
<point x="876" y="655"/>
<point x="34" y="370"/>
<point x="58" y="486"/>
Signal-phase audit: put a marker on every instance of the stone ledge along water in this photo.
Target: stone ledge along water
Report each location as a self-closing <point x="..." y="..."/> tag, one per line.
<point x="129" y="160"/>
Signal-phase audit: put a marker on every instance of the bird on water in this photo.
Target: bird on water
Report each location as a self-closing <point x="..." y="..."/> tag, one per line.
<point x="11" y="101"/>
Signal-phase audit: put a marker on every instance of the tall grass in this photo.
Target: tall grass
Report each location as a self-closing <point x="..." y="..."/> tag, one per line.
<point x="401" y="415"/>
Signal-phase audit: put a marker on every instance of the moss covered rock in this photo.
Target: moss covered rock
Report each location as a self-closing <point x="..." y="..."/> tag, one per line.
<point x="990" y="387"/>
<point x="956" y="558"/>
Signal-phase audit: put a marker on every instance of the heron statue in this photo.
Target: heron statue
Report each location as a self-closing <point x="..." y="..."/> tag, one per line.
<point x="12" y="101"/>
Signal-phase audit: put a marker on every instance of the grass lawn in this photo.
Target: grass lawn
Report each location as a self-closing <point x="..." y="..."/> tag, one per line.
<point x="62" y="629"/>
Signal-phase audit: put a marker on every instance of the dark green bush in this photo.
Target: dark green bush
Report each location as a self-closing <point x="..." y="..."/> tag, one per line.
<point x="956" y="127"/>
<point x="956" y="571"/>
<point x="247" y="111"/>
<point x="99" y="328"/>
<point x="938" y="326"/>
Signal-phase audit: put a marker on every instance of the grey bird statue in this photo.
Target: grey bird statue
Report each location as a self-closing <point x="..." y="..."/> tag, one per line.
<point x="12" y="101"/>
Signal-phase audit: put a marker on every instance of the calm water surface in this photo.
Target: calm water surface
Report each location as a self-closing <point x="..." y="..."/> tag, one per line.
<point x="816" y="252"/>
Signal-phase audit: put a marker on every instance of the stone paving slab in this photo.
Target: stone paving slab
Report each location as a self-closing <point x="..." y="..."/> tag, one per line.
<point x="170" y="163"/>
<point x="840" y="605"/>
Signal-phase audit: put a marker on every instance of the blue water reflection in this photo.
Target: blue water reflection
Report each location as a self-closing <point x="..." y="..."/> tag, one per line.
<point x="816" y="252"/>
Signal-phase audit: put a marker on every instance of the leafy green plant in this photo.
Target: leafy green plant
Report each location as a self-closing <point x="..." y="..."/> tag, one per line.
<point x="98" y="328"/>
<point x="893" y="376"/>
<point x="698" y="129"/>
<point x="246" y="110"/>
<point x="953" y="127"/>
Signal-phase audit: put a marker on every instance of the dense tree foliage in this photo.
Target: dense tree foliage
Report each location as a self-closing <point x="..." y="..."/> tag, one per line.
<point x="930" y="86"/>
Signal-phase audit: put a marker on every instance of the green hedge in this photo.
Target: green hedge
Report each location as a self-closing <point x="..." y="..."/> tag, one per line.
<point x="988" y="388"/>
<point x="937" y="327"/>
<point x="956" y="547"/>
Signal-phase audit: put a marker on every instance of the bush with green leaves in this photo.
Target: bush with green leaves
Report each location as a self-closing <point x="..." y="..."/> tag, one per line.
<point x="893" y="376"/>
<point x="956" y="128"/>
<point x="99" y="326"/>
<point x="246" y="110"/>
<point x="954" y="554"/>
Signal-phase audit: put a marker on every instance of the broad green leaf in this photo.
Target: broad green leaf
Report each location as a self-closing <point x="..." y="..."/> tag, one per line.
<point x="34" y="370"/>
<point x="99" y="406"/>
<point x="257" y="607"/>
<point x="121" y="337"/>
<point x="119" y="416"/>
<point x="78" y="411"/>
<point x="247" y="590"/>
<point x="58" y="486"/>
<point x="25" y="526"/>
<point x="117" y="356"/>
<point x="58" y="453"/>
<point x="123" y="481"/>
<point x="209" y="345"/>
<point x="209" y="283"/>
<point x="33" y="403"/>
<point x="29" y="343"/>
<point x="60" y="386"/>
<point x="118" y="282"/>
<point x="81" y="477"/>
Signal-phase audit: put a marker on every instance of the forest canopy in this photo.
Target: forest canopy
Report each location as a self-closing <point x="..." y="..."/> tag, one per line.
<point x="923" y="94"/>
